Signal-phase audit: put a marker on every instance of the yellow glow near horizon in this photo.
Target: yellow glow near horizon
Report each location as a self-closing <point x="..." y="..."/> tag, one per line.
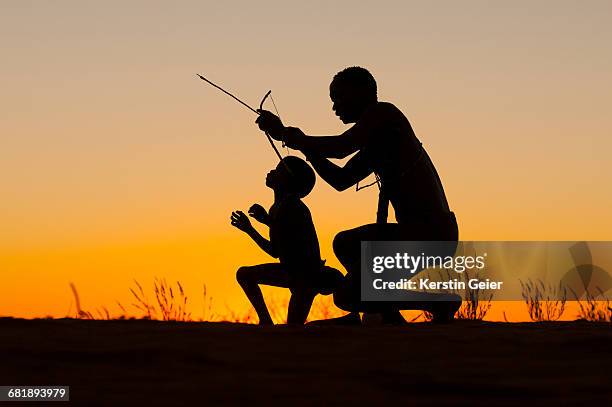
<point x="118" y="164"/>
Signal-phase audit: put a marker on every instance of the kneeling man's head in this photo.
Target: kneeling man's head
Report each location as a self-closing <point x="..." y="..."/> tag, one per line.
<point x="292" y="175"/>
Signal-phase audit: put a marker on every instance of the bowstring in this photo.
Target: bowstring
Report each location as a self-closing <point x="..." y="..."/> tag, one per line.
<point x="269" y="94"/>
<point x="280" y="157"/>
<point x="283" y="144"/>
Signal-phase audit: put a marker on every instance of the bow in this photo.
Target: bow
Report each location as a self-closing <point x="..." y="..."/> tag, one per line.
<point x="250" y="108"/>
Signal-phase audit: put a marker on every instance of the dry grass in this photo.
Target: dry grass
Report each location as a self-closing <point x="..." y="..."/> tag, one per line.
<point x="142" y="302"/>
<point x="595" y="308"/>
<point x="544" y="302"/>
<point x="171" y="304"/>
<point x="207" y="303"/>
<point x="324" y="308"/>
<point x="80" y="314"/>
<point x="475" y="306"/>
<point x="245" y="317"/>
<point x="102" y="313"/>
<point x="424" y="316"/>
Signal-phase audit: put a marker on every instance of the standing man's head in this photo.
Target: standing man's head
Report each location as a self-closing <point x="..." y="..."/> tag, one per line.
<point x="352" y="90"/>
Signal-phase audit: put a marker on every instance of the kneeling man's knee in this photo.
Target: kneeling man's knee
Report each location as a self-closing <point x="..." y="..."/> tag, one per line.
<point x="242" y="275"/>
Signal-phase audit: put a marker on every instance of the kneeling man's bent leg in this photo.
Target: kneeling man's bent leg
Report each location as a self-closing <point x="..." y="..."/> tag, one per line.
<point x="299" y="305"/>
<point x="250" y="277"/>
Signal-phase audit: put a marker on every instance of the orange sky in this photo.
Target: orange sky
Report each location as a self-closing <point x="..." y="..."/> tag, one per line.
<point x="117" y="163"/>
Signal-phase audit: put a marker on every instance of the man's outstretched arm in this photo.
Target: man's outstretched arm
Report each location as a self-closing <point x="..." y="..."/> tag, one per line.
<point x="327" y="146"/>
<point x="340" y="178"/>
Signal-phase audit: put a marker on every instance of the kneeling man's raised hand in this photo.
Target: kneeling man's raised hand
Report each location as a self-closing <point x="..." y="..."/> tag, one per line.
<point x="241" y="221"/>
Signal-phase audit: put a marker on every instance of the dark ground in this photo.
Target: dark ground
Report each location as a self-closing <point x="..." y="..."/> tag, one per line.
<point x="156" y="363"/>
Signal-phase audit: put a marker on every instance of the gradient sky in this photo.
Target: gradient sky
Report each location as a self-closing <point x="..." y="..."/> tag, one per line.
<point x="117" y="163"/>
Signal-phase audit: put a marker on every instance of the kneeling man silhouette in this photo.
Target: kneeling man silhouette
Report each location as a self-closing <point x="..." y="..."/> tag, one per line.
<point x="293" y="240"/>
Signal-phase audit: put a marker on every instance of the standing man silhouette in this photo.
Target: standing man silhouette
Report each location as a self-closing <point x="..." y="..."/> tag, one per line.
<point x="385" y="145"/>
